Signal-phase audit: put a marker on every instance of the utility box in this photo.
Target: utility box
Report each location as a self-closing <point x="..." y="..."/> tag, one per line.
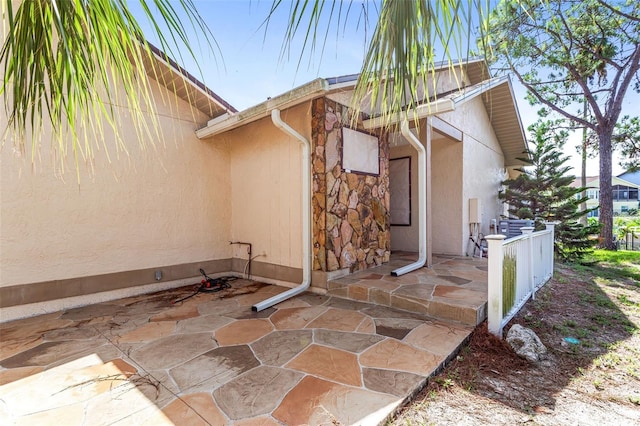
<point x="511" y="227"/>
<point x="474" y="210"/>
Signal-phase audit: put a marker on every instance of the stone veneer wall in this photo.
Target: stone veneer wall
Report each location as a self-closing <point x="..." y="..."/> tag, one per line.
<point x="350" y="211"/>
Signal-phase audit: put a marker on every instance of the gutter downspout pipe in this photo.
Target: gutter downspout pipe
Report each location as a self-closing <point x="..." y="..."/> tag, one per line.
<point x="306" y="217"/>
<point x="422" y="202"/>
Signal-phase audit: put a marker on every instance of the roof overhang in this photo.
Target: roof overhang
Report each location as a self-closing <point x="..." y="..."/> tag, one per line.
<point x="168" y="73"/>
<point x="499" y="101"/>
<point x="502" y="108"/>
<point x="438" y="106"/>
<point x="494" y="90"/>
<point x="291" y="98"/>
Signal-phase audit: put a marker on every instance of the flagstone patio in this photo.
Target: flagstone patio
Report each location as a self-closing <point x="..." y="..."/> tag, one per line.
<point x="210" y="360"/>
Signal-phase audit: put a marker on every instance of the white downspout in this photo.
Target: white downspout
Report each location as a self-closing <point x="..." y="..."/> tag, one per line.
<point x="422" y="202"/>
<point x="306" y="217"/>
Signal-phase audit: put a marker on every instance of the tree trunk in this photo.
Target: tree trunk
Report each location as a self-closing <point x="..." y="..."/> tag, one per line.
<point x="583" y="206"/>
<point x="606" y="191"/>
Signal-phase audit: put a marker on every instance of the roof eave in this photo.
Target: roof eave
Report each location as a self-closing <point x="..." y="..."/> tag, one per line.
<point x="174" y="69"/>
<point x="289" y="99"/>
<point x="438" y="106"/>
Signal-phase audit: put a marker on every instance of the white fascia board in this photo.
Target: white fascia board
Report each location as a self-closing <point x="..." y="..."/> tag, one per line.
<point x="180" y="73"/>
<point x="421" y="111"/>
<point x="479" y="89"/>
<point x="291" y="98"/>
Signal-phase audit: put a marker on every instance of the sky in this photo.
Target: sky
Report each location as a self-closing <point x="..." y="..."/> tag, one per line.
<point x="247" y="66"/>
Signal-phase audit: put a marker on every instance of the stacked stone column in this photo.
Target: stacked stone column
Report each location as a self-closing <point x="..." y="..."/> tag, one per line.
<point x="350" y="210"/>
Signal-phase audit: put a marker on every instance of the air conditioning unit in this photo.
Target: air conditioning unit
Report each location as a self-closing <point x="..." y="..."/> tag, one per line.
<point x="511" y="227"/>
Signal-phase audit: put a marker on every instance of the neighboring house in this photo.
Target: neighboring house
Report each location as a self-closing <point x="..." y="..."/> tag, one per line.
<point x="626" y="194"/>
<point x="176" y="209"/>
<point x="633" y="177"/>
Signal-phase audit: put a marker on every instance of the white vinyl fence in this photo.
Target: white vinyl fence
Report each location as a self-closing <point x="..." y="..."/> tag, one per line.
<point x="518" y="267"/>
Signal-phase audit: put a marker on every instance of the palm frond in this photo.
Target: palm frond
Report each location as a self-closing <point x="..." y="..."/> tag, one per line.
<point x="76" y="64"/>
<point x="398" y="71"/>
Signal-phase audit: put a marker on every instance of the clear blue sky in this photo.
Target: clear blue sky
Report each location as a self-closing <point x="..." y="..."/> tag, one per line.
<point x="249" y="68"/>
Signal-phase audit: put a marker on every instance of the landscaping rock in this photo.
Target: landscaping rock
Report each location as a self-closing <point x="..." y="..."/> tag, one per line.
<point x="526" y="343"/>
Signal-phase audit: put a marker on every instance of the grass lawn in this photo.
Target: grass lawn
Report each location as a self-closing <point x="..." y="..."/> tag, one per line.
<point x="593" y="382"/>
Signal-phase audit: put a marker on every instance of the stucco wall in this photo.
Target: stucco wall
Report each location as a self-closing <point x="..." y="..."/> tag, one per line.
<point x="483" y="164"/>
<point x="266" y="189"/>
<point x="447" y="198"/>
<point x="162" y="206"/>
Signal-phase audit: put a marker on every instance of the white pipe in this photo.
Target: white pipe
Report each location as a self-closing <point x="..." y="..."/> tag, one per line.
<point x="306" y="216"/>
<point x="422" y="202"/>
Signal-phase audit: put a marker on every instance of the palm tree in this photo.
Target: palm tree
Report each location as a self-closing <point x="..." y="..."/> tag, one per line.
<point x="62" y="58"/>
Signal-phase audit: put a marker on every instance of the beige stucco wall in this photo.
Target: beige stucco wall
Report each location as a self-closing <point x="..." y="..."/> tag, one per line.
<point x="446" y="186"/>
<point x="266" y="189"/>
<point x="162" y="206"/>
<point x="483" y="169"/>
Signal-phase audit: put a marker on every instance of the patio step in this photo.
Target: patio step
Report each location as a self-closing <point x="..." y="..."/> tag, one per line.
<point x="453" y="290"/>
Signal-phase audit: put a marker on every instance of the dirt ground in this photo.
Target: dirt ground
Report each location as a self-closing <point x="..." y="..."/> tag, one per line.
<point x="594" y="381"/>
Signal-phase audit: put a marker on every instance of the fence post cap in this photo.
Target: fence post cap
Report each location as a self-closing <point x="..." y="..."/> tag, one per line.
<point x="527" y="229"/>
<point x="495" y="237"/>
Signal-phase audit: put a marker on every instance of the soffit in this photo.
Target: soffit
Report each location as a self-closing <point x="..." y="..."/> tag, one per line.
<point x="188" y="88"/>
<point x="502" y="110"/>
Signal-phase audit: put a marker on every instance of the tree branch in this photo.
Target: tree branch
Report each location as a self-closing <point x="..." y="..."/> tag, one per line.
<point x="619" y="12"/>
<point x="549" y="104"/>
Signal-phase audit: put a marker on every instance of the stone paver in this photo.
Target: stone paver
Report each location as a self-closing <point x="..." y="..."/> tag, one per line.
<point x="215" y="367"/>
<point x="399" y="383"/>
<point x="393" y="355"/>
<point x="194" y="409"/>
<point x="314" y="359"/>
<point x="438" y="338"/>
<point x="329" y="363"/>
<point x="243" y="331"/>
<point x="318" y="402"/>
<point x="149" y="332"/>
<point x="352" y="342"/>
<point x="173" y="350"/>
<point x="338" y="319"/>
<point x="255" y="393"/>
<point x="296" y="318"/>
<point x="280" y="347"/>
<point x="397" y="328"/>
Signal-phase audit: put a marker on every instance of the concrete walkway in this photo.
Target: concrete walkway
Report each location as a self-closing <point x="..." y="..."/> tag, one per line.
<point x="210" y="360"/>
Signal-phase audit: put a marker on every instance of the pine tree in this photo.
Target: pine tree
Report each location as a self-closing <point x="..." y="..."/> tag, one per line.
<point x="542" y="192"/>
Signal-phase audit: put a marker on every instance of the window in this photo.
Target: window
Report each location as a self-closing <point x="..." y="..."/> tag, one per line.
<point x="623" y="192"/>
